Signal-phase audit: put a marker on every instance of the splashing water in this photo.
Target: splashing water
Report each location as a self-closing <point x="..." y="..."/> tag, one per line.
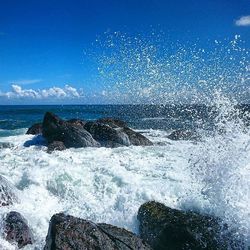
<point x="109" y="185"/>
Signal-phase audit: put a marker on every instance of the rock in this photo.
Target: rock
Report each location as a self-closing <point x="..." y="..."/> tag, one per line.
<point x="56" y="129"/>
<point x="112" y="122"/>
<point x="106" y="135"/>
<point x="136" y="138"/>
<point x="35" y="129"/>
<point x="68" y="232"/>
<point x="183" y="135"/>
<point x="6" y="145"/>
<point x="56" y="145"/>
<point x="77" y="122"/>
<point x="7" y="192"/>
<point x="165" y="228"/>
<point x="17" y="230"/>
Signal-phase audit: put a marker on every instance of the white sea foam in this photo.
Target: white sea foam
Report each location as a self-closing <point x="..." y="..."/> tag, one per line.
<point x="109" y="185"/>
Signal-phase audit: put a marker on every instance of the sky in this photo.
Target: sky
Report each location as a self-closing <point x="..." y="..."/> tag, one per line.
<point x="49" y="54"/>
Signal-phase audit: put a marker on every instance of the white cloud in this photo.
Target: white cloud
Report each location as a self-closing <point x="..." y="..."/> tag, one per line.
<point x="243" y="21"/>
<point x="67" y="92"/>
<point x="26" y="81"/>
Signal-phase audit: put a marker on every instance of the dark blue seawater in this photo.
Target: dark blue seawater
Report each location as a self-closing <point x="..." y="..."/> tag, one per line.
<point x="137" y="116"/>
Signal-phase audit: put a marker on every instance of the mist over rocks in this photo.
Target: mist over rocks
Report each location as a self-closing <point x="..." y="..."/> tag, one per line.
<point x="106" y="132"/>
<point x="68" y="232"/>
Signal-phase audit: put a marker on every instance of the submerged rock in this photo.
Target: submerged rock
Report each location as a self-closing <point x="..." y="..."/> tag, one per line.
<point x="35" y="129"/>
<point x="106" y="135"/>
<point x="56" y="129"/>
<point x="6" y="145"/>
<point x="17" y="230"/>
<point x="7" y="192"/>
<point x="166" y="228"/>
<point x="183" y="135"/>
<point x="56" y="145"/>
<point x="68" y="232"/>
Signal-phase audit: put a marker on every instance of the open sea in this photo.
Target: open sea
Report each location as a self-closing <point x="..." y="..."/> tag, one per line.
<point x="209" y="175"/>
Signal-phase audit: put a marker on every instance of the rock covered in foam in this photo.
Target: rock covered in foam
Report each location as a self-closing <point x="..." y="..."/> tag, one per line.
<point x="183" y="135"/>
<point x="166" y="228"/>
<point x="56" y="129"/>
<point x="35" y="129"/>
<point x="7" y="192"/>
<point x="17" y="230"/>
<point x="68" y="232"/>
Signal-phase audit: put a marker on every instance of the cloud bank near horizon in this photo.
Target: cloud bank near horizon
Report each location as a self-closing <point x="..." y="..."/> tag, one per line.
<point x="58" y="93"/>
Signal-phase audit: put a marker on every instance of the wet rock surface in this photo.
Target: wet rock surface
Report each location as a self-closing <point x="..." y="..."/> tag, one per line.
<point x="35" y="129"/>
<point x="76" y="133"/>
<point x="106" y="135"/>
<point x="165" y="228"/>
<point x="68" y="232"/>
<point x="56" y="129"/>
<point x="56" y="145"/>
<point x="17" y="230"/>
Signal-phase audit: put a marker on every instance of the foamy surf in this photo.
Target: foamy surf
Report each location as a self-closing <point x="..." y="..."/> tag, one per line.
<point x="109" y="185"/>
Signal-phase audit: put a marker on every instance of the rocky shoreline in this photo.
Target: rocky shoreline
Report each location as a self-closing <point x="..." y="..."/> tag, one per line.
<point x="160" y="227"/>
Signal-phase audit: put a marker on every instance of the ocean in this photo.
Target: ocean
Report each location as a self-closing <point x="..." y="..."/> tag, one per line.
<point x="210" y="174"/>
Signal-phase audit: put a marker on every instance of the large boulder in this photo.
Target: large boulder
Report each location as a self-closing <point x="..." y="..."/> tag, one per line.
<point x="7" y="192"/>
<point x="35" y="129"/>
<point x="135" y="138"/>
<point x="16" y="230"/>
<point x="56" y="129"/>
<point x="166" y="228"/>
<point x="106" y="135"/>
<point x="68" y="232"/>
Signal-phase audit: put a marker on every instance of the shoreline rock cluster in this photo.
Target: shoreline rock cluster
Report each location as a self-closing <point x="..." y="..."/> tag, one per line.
<point x="160" y="228"/>
<point x="105" y="132"/>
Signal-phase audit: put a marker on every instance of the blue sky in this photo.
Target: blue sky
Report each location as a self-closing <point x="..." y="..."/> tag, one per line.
<point x="43" y="44"/>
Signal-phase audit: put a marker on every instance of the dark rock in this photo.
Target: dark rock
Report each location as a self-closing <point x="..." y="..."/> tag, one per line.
<point x="7" y="192"/>
<point x="77" y="122"/>
<point x="35" y="129"/>
<point x="112" y="122"/>
<point x="16" y="230"/>
<point x="165" y="228"/>
<point x="56" y="145"/>
<point x="6" y="145"/>
<point x="136" y="138"/>
<point x="183" y="135"/>
<point x="106" y="135"/>
<point x="56" y="129"/>
<point x="68" y="232"/>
